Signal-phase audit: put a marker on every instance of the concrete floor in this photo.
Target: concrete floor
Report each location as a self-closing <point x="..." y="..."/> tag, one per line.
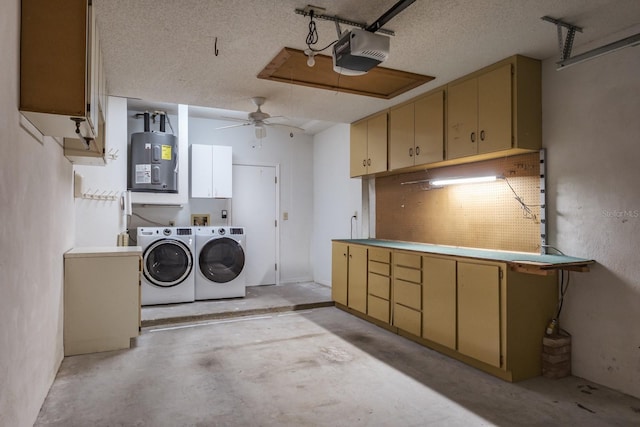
<point x="317" y="367"/>
<point x="258" y="300"/>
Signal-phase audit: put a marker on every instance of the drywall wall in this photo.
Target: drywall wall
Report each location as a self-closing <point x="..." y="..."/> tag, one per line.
<point x="99" y="221"/>
<point x="336" y="197"/>
<point x="36" y="205"/>
<point x="592" y="133"/>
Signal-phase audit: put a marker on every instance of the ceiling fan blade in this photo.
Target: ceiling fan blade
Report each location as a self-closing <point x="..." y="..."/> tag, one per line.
<point x="285" y="126"/>
<point x="233" y="119"/>
<point x="233" y="126"/>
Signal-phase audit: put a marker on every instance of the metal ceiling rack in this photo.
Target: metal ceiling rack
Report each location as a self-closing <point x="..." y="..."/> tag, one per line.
<point x="565" y="47"/>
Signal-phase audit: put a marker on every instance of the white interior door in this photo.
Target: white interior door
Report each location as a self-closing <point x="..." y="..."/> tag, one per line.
<point x="254" y="207"/>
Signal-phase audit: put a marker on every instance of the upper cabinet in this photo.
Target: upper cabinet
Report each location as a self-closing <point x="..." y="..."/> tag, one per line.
<point x="369" y="146"/>
<point x="211" y="173"/>
<point x="416" y="132"/>
<point x="62" y="86"/>
<point x="495" y="109"/>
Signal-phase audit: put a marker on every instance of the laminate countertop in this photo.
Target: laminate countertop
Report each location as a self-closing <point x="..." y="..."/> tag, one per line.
<point x="520" y="261"/>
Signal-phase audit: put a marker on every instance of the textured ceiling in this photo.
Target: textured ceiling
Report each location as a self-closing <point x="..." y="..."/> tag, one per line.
<point x="163" y="50"/>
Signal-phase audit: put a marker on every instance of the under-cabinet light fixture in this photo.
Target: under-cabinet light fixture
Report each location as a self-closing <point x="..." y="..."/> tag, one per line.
<point x="453" y="181"/>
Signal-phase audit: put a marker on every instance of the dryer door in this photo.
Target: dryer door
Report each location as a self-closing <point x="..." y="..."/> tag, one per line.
<point x="221" y="260"/>
<point x="167" y="262"/>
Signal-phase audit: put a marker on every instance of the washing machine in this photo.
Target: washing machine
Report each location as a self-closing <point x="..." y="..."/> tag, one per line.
<point x="168" y="271"/>
<point x="220" y="262"/>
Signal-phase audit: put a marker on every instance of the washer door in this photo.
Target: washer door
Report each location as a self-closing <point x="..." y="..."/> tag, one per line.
<point x="167" y="262"/>
<point x="221" y="260"/>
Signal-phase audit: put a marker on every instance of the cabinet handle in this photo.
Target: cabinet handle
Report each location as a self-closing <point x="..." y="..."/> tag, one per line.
<point x="473" y="137"/>
<point x="481" y="135"/>
<point x="410" y="152"/>
<point x="364" y="162"/>
<point x="369" y="162"/>
<point x="417" y="151"/>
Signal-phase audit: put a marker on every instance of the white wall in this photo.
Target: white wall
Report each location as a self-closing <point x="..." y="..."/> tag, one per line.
<point x="99" y="221"/>
<point x="336" y="197"/>
<point x="294" y="155"/>
<point x="591" y="129"/>
<point x="36" y="205"/>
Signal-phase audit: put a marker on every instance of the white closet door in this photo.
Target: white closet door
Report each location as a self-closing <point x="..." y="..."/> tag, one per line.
<point x="253" y="207"/>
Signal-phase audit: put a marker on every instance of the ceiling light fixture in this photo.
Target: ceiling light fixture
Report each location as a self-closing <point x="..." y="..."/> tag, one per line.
<point x="311" y="60"/>
<point x="454" y="181"/>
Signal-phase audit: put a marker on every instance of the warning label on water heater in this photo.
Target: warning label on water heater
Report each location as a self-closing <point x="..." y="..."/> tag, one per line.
<point x="166" y="152"/>
<point x="143" y="174"/>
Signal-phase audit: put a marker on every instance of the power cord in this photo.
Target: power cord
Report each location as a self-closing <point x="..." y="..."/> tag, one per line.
<point x="312" y="36"/>
<point x="352" y="218"/>
<point x="528" y="213"/>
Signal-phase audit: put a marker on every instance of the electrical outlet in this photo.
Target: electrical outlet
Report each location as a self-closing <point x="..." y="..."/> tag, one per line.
<point x="172" y="223"/>
<point x="355" y="215"/>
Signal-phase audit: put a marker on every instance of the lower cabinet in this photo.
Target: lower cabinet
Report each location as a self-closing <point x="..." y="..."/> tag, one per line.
<point x="407" y="292"/>
<point x="339" y="272"/>
<point x="439" y="309"/>
<point x="357" y="278"/>
<point x="379" y="284"/>
<point x="349" y="276"/>
<point x="478" y="311"/>
<point x="101" y="298"/>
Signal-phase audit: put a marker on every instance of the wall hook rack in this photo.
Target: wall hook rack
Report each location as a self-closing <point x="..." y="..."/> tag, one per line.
<point x="112" y="154"/>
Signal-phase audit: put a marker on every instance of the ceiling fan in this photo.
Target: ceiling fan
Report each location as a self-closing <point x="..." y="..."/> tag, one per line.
<point x="259" y="120"/>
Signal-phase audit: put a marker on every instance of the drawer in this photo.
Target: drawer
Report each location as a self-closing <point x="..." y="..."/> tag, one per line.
<point x="407" y="319"/>
<point x="380" y="255"/>
<point x="408" y="274"/>
<point x="379" y="268"/>
<point x="379" y="285"/>
<point x="378" y="308"/>
<point x="407" y="259"/>
<point x="407" y="294"/>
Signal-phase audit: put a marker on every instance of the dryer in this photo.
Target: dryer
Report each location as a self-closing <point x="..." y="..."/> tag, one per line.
<point x="168" y="264"/>
<point x="220" y="263"/>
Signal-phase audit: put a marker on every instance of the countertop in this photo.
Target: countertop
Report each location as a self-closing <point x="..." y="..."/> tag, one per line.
<point x="102" y="251"/>
<point x="525" y="261"/>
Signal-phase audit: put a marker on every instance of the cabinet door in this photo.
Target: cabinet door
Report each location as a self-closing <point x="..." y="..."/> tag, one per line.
<point x="377" y="144"/>
<point x="429" y="129"/>
<point x="439" y="300"/>
<point x="358" y="149"/>
<point x="339" y="272"/>
<point x="479" y="312"/>
<point x="494" y="110"/>
<point x="401" y="137"/>
<point x="462" y="119"/>
<point x="221" y="172"/>
<point x="357" y="294"/>
<point x="201" y="171"/>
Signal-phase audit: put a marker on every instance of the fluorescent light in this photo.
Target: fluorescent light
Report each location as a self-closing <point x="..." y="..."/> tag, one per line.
<point x="452" y="181"/>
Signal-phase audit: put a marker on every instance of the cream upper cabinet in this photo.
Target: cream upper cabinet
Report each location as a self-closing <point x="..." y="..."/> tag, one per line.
<point x="416" y="132"/>
<point x="368" y="153"/>
<point x="495" y="109"/>
<point x="401" y="137"/>
<point x="429" y="128"/>
<point x="61" y="81"/>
